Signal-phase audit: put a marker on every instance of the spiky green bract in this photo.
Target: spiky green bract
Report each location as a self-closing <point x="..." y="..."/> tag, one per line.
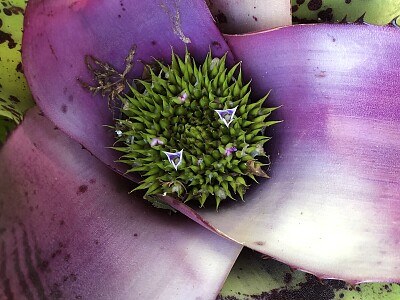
<point x="176" y="109"/>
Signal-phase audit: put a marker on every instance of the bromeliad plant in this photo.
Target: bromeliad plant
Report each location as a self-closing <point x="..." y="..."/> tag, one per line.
<point x="191" y="130"/>
<point x="69" y="227"/>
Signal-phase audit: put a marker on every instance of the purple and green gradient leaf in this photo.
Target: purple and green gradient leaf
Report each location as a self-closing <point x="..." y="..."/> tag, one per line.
<point x="256" y="277"/>
<point x="15" y="97"/>
<point x="69" y="229"/>
<point x="378" y="12"/>
<point x="241" y="16"/>
<point x="332" y="205"/>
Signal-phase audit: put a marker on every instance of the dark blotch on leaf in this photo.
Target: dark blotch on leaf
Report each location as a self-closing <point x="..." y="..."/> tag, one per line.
<point x="6" y="37"/>
<point x="326" y="15"/>
<point x="19" y="68"/>
<point x="216" y="44"/>
<point x="300" y="2"/>
<point x="82" y="189"/>
<point x="14" y="99"/>
<point x="56" y="253"/>
<point x="314" y="4"/>
<point x="7" y="12"/>
<point x="288" y="278"/>
<point x="221" y="18"/>
<point x="64" y="108"/>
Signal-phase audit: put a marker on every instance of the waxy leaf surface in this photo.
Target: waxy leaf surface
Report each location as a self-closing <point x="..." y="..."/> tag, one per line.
<point x="332" y="205"/>
<point x="69" y="229"/>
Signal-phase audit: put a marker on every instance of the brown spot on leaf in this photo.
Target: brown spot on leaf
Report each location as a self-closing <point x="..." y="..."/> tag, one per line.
<point x="259" y="243"/>
<point x="64" y="108"/>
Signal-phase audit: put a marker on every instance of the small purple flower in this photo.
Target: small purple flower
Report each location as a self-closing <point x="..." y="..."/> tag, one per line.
<point x="226" y="115"/>
<point x="175" y="159"/>
<point x="229" y="151"/>
<point x="183" y="97"/>
<point x="156" y="141"/>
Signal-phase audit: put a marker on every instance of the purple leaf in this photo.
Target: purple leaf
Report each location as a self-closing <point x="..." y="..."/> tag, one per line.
<point x="58" y="34"/>
<point x="332" y="206"/>
<point x="69" y="229"/>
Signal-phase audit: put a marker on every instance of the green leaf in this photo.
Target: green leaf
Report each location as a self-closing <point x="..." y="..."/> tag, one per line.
<point x="378" y="12"/>
<point x="257" y="277"/>
<point x="15" y="97"/>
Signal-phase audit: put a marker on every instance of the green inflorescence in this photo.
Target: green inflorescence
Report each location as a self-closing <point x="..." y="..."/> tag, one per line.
<point x="192" y="131"/>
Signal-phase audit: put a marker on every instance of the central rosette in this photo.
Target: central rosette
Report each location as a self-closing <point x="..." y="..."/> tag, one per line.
<point x="192" y="131"/>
